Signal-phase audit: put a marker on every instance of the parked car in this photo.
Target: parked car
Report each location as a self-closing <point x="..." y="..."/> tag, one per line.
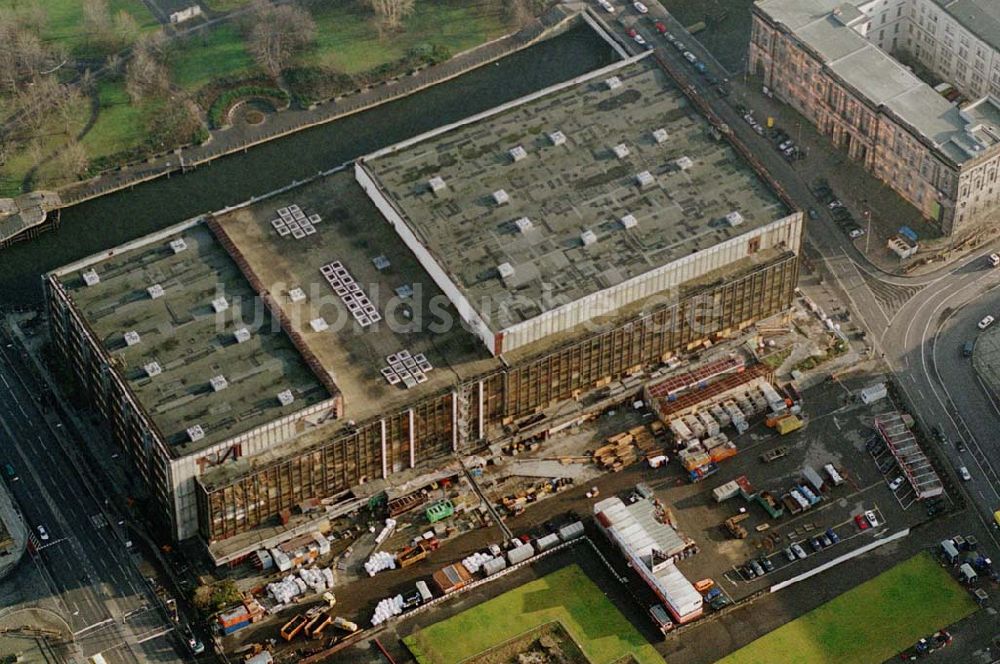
<point x="660" y="27"/>
<point x="815" y="544"/>
<point x="855" y="232"/>
<point x="994" y="260"/>
<point x="679" y="45"/>
<point x="639" y="39"/>
<point x="861" y="522"/>
<point x="606" y="6"/>
<point x="871" y="518"/>
<point x="757" y="569"/>
<point x="632" y="32"/>
<point x="44" y="534"/>
<point x="896" y="483"/>
<point x="790" y="555"/>
<point x="799" y="551"/>
<point x="719" y="602"/>
<point x="986" y="322"/>
<point x="748" y="572"/>
<point x="941" y="437"/>
<point x="767" y="564"/>
<point x="832" y="534"/>
<point x="960" y="445"/>
<point x="690" y="57"/>
<point x="825" y="541"/>
<point x="964" y="473"/>
<point x="641" y="8"/>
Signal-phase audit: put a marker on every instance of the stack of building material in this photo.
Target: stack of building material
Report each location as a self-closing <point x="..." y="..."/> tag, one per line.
<point x="328" y="576"/>
<point x="736" y="416"/>
<point x="706" y="419"/>
<point x="617" y="453"/>
<point x="720" y="415"/>
<point x="643" y="438"/>
<point x="235" y="620"/>
<point x="281" y="561"/>
<point x="379" y="562"/>
<point x="387" y="608"/>
<point x="314" y="579"/>
<point x="719" y="447"/>
<point x="254" y="608"/>
<point x="680" y="430"/>
<point x="695" y="425"/>
<point x="476" y="561"/>
<point x="387" y="530"/>
<point x="284" y="591"/>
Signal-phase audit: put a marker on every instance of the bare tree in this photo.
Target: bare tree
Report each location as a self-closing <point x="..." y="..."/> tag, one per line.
<point x="97" y="19"/>
<point x="70" y="163"/>
<point x="37" y="102"/>
<point x="126" y="30"/>
<point x="277" y="33"/>
<point x="146" y="75"/>
<point x="390" y="13"/>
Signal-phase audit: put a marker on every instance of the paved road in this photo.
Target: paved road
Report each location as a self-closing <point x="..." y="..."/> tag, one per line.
<point x="82" y="556"/>
<point x="917" y="324"/>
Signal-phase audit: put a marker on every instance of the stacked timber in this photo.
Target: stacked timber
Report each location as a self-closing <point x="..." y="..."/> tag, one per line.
<point x="618" y="452"/>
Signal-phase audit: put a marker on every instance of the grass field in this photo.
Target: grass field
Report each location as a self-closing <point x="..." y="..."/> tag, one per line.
<point x="347" y="40"/>
<point x="210" y="55"/>
<point x="869" y="623"/>
<point x="65" y="19"/>
<point x="120" y="124"/>
<point x="566" y="595"/>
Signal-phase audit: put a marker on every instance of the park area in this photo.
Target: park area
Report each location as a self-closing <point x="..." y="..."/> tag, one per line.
<point x="566" y="597"/>
<point x="103" y="123"/>
<point x="869" y="623"/>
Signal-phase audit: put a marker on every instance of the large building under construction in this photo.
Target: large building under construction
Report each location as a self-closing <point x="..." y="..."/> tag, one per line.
<point x="501" y="270"/>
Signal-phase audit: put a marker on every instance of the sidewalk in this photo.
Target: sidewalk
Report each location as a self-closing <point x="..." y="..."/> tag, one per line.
<point x="234" y="139"/>
<point x="10" y="519"/>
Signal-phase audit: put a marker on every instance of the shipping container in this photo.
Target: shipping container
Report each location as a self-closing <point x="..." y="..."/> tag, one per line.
<point x="833" y="474"/>
<point x="725" y="491"/>
<point x="494" y="565"/>
<point x="425" y="592"/>
<point x="949" y="551"/>
<point x="547" y="542"/>
<point x="520" y="553"/>
<point x="235" y="627"/>
<point x="813" y="478"/>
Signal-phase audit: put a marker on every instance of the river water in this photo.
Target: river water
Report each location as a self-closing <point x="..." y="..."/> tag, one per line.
<point x="116" y="218"/>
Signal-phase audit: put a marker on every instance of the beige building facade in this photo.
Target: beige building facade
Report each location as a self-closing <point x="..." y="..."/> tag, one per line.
<point x="830" y="61"/>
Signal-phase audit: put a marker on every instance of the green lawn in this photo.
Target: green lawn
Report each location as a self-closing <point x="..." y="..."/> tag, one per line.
<point x="347" y="40"/>
<point x="210" y="55"/>
<point x="870" y="623"/>
<point x="65" y="19"/>
<point x="120" y="125"/>
<point x="567" y="596"/>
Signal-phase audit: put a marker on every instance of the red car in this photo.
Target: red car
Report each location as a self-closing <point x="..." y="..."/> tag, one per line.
<point x="632" y="33"/>
<point x="662" y="29"/>
<point x="862" y="523"/>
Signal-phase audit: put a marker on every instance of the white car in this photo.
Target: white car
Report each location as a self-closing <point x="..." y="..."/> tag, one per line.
<point x="964" y="472"/>
<point x="986" y="322"/>
<point x="855" y="233"/>
<point x="690" y="57"/>
<point x="871" y="518"/>
<point x="606" y="6"/>
<point x="896" y="483"/>
<point x="641" y="8"/>
<point x="43" y="533"/>
<point x="639" y="39"/>
<point x="994" y="260"/>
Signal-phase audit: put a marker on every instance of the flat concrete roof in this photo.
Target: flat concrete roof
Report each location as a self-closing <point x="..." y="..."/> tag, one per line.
<point x="189" y="342"/>
<point x="577" y="221"/>
<point x="980" y="17"/>
<point x="880" y="78"/>
<point x="354" y="233"/>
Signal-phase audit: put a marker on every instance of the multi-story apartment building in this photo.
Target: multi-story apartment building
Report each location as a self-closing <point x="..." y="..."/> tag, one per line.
<point x="831" y="61"/>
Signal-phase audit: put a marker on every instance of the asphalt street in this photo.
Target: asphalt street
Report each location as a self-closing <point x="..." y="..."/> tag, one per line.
<point x="82" y="554"/>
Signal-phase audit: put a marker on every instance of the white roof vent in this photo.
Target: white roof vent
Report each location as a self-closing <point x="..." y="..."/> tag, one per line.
<point x="178" y="245"/>
<point x="90" y="278"/>
<point x="557" y="138"/>
<point x="286" y="397"/>
<point x="155" y="291"/>
<point x="506" y="270"/>
<point x="523" y="224"/>
<point x="629" y="221"/>
<point x="684" y="163"/>
<point x="195" y="433"/>
<point x="242" y="335"/>
<point x="153" y="369"/>
<point x="613" y="83"/>
<point x="588" y="238"/>
<point x="131" y="338"/>
<point x="218" y="383"/>
<point x="318" y="324"/>
<point x="644" y="179"/>
<point x="734" y="218"/>
<point x="660" y="135"/>
<point x="296" y="295"/>
<point x="436" y="184"/>
<point x="219" y="305"/>
<point x="500" y="197"/>
<point x="517" y="153"/>
<point x="621" y="150"/>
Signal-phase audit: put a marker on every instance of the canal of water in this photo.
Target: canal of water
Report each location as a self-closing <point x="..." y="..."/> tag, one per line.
<point x="111" y="220"/>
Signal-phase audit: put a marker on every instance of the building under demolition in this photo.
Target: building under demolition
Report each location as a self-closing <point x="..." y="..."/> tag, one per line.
<point x="317" y="343"/>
